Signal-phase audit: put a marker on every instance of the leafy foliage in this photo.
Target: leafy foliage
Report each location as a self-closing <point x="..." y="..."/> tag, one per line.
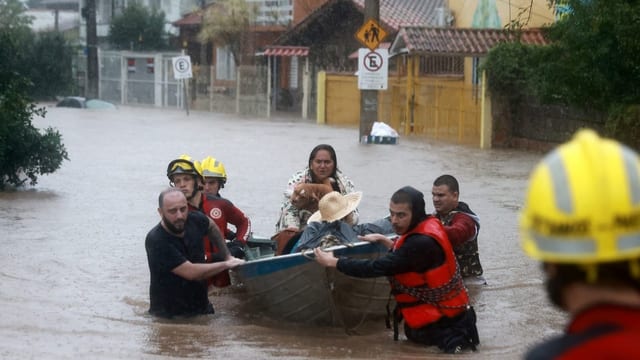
<point x="591" y="63"/>
<point x="138" y="28"/>
<point x="49" y="65"/>
<point x="227" y="24"/>
<point x="25" y="152"/>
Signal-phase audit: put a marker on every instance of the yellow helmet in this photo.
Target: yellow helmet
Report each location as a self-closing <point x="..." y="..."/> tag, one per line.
<point x="210" y="167"/>
<point x="583" y="203"/>
<point x="182" y="165"/>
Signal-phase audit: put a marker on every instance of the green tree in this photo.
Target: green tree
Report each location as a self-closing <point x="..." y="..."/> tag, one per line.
<point x="49" y="65"/>
<point x="591" y="63"/>
<point x="138" y="28"/>
<point x="25" y="152"/>
<point x="228" y="24"/>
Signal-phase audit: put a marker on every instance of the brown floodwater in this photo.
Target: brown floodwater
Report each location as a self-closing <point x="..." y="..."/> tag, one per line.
<point x="73" y="269"/>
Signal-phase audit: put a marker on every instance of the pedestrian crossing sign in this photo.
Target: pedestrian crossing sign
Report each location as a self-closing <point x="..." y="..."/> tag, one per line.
<point x="371" y="34"/>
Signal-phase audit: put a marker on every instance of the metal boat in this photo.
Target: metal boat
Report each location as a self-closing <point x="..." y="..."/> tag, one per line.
<point x="293" y="287"/>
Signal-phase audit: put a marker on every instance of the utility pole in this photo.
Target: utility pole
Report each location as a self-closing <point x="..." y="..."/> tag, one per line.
<point x="369" y="98"/>
<point x="92" y="49"/>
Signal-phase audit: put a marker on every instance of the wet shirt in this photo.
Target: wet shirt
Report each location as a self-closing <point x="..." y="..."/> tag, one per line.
<point x="418" y="254"/>
<point x="604" y="331"/>
<point x="170" y="294"/>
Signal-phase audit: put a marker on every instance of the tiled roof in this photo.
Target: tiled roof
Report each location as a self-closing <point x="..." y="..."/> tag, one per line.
<point x="452" y="41"/>
<point x="286" y="51"/>
<point x="393" y="14"/>
<point x="191" y="19"/>
<point x="399" y="13"/>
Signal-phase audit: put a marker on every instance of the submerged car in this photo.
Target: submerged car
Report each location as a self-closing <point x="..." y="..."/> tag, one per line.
<point x="84" y="103"/>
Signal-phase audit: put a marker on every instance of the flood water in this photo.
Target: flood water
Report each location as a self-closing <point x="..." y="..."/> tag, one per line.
<point x="73" y="270"/>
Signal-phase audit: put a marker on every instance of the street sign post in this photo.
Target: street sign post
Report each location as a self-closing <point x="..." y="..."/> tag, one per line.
<point x="181" y="71"/>
<point x="373" y="69"/>
<point x="371" y="34"/>
<point x="182" y="67"/>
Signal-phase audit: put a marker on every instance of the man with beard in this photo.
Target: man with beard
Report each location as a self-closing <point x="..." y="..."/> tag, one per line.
<point x="581" y="218"/>
<point x="462" y="226"/>
<point x="176" y="259"/>
<point x="421" y="267"/>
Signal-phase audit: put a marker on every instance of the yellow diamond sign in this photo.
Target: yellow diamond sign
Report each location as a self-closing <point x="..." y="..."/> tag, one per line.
<point x="371" y="34"/>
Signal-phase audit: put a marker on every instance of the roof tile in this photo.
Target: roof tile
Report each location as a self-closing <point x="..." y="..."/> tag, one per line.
<point x="456" y="41"/>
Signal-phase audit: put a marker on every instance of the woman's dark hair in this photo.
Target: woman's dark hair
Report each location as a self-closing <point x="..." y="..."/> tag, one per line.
<point x="332" y="153"/>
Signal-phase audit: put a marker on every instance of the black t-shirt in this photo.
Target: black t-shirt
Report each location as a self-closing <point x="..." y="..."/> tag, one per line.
<point x="170" y="294"/>
<point x="418" y="253"/>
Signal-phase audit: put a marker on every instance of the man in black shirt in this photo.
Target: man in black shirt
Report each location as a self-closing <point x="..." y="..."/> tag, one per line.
<point x="176" y="259"/>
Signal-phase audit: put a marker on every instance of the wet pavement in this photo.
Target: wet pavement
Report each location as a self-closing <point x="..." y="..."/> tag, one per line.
<point x="73" y="269"/>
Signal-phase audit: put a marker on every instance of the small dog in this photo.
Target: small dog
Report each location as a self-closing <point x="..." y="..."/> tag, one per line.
<point x="305" y="196"/>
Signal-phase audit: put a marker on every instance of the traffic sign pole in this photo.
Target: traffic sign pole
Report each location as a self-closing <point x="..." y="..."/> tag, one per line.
<point x="369" y="98"/>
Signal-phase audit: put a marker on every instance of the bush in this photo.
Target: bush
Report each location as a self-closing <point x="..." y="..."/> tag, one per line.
<point x="623" y="124"/>
<point x="25" y="152"/>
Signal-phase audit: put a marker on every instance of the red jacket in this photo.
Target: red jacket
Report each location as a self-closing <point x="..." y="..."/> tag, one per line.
<point x="223" y="212"/>
<point x="604" y="331"/>
<point x="429" y="303"/>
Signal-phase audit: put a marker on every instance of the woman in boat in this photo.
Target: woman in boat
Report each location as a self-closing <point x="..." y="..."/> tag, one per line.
<point x="430" y="295"/>
<point x="306" y="187"/>
<point x="333" y="223"/>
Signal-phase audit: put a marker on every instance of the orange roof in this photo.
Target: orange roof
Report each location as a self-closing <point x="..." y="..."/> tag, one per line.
<point x="191" y="19"/>
<point x="453" y="41"/>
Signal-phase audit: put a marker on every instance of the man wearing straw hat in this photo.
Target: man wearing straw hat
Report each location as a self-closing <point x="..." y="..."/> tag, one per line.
<point x="424" y="276"/>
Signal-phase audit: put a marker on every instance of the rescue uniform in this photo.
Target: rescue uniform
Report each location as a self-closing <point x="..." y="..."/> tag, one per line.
<point x="222" y="211"/>
<point x="462" y="226"/>
<point x="604" y="331"/>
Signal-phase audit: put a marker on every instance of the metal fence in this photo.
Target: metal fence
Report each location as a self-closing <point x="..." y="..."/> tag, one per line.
<point x="133" y="78"/>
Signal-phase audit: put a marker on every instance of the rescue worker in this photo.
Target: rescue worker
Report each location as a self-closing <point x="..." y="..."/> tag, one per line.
<point x="424" y="276"/>
<point x="581" y="219"/>
<point x="462" y="226"/>
<point x="183" y="174"/>
<point x="222" y="211"/>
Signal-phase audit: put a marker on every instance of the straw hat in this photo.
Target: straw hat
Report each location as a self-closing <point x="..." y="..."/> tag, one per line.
<point x="334" y="206"/>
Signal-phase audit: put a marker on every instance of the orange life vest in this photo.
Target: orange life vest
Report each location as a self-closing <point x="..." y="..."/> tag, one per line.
<point x="424" y="298"/>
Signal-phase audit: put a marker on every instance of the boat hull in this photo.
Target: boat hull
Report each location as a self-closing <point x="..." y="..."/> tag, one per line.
<point x="295" y="288"/>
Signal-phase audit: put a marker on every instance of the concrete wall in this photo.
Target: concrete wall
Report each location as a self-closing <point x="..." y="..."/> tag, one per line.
<point x="534" y="126"/>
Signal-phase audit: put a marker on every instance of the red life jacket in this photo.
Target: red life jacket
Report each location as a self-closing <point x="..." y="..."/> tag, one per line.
<point x="442" y="288"/>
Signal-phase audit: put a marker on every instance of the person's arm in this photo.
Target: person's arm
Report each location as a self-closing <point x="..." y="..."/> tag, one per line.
<point x="215" y="236"/>
<point x="289" y="214"/>
<point x="191" y="271"/>
<point x="325" y="258"/>
<point x="417" y="254"/>
<point x="379" y="238"/>
<point x="461" y="229"/>
<point x="238" y="219"/>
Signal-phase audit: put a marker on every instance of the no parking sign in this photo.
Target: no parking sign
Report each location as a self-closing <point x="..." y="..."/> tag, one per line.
<point x="181" y="67"/>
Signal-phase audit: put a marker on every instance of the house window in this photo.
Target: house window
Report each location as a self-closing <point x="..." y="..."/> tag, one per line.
<point x="293" y="73"/>
<point x="442" y="65"/>
<point x="225" y="66"/>
<point x="475" y="68"/>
